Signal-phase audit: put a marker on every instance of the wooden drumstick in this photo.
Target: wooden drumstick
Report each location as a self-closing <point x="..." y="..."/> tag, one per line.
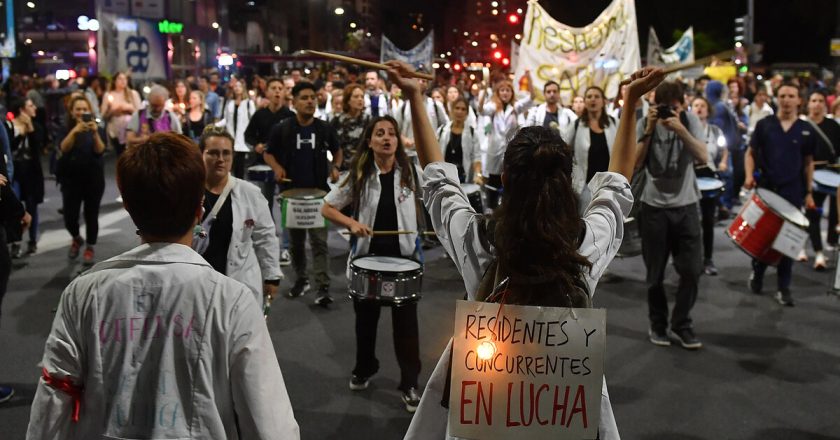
<point x="382" y="233"/>
<point x="365" y="63"/>
<point x="704" y="60"/>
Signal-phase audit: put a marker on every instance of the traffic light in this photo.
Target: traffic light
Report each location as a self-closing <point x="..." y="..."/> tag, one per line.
<point x="741" y="24"/>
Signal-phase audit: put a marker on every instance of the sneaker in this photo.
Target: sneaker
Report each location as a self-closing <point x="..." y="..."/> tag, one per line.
<point x="87" y="257"/>
<point x="75" y="247"/>
<point x="709" y="268"/>
<point x="784" y="298"/>
<point x="755" y="284"/>
<point x="685" y="337"/>
<point x="6" y="393"/>
<point x="16" y="251"/>
<point x="411" y="399"/>
<point x="300" y="287"/>
<point x="658" y="337"/>
<point x="359" y="383"/>
<point x="285" y="258"/>
<point x="723" y="213"/>
<point x="819" y="262"/>
<point x="31" y="248"/>
<point x="802" y="257"/>
<point x="324" y="298"/>
<point x="119" y="199"/>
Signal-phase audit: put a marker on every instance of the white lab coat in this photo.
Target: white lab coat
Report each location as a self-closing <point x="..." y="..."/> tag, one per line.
<point x="244" y="111"/>
<point x="470" y="147"/>
<point x="437" y="116"/>
<point x="580" y="143"/>
<point x="536" y="117"/>
<point x="165" y="347"/>
<point x="504" y="126"/>
<point x="455" y="223"/>
<point x="382" y="104"/>
<point x="341" y="196"/>
<point x="254" y="252"/>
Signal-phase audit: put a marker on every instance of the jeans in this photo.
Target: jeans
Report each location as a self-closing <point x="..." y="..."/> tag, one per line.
<point x="406" y="340"/>
<point x="318" y="242"/>
<point x="708" y="214"/>
<point x="83" y="187"/>
<point x="671" y="231"/>
<point x="815" y="219"/>
<point x="784" y="272"/>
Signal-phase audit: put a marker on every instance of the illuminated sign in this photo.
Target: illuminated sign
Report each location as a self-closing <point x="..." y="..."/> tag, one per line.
<point x="170" y="27"/>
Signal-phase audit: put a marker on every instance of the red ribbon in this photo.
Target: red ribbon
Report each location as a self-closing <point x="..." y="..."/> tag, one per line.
<point x="67" y="387"/>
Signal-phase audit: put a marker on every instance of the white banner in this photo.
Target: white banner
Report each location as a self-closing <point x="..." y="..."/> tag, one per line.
<point x="118" y="7"/>
<point x="599" y="54"/>
<point x="131" y="45"/>
<point x="147" y="8"/>
<point x="419" y="56"/>
<point x="681" y="52"/>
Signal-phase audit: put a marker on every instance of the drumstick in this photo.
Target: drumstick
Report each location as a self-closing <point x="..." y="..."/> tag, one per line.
<point x="392" y="232"/>
<point x="366" y="63"/>
<point x="704" y="60"/>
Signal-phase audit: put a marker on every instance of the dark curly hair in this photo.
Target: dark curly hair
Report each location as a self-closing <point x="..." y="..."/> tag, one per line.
<point x="537" y="226"/>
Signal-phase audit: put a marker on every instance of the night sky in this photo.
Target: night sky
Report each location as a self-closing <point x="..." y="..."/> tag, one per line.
<point x="792" y="31"/>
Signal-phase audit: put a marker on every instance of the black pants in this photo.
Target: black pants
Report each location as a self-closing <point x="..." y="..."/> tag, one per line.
<point x="671" y="231"/>
<point x="83" y="187"/>
<point x="815" y="219"/>
<point x="493" y="197"/>
<point x="406" y="340"/>
<point x="708" y="214"/>
<point x="241" y="162"/>
<point x="738" y="176"/>
<point x="5" y="265"/>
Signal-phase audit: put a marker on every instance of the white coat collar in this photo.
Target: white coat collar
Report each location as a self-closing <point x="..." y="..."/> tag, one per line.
<point x="160" y="253"/>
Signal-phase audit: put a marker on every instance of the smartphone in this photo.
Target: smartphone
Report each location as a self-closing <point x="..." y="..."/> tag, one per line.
<point x="87" y="117"/>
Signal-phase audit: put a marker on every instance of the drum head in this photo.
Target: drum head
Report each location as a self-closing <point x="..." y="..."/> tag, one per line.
<point x="379" y="263"/>
<point x="827" y="178"/>
<point x="470" y="188"/>
<point x="303" y="193"/>
<point x="709" y="184"/>
<point x="262" y="168"/>
<point x="782" y="207"/>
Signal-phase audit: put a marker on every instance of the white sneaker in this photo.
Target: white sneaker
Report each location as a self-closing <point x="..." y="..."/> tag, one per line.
<point x="285" y="258"/>
<point x="819" y="262"/>
<point x="802" y="257"/>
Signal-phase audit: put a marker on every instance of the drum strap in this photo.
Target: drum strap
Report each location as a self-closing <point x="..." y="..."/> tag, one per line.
<point x="824" y="137"/>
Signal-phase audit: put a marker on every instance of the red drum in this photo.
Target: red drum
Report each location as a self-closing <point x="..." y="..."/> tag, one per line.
<point x="769" y="227"/>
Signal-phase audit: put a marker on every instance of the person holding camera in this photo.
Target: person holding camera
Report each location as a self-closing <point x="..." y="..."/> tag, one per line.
<point x="81" y="175"/>
<point x="670" y="143"/>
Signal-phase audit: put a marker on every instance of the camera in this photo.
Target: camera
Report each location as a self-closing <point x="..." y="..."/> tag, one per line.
<point x="87" y="117"/>
<point x="663" y="111"/>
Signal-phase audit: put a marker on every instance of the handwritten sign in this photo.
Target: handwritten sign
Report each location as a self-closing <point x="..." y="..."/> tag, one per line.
<point x="526" y="372"/>
<point x="600" y="54"/>
<point x="303" y="213"/>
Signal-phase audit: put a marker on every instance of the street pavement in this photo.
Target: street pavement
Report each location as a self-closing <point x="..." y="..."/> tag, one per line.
<point x="766" y="372"/>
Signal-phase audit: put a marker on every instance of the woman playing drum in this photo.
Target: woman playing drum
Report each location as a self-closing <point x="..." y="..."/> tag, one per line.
<point x="549" y="253"/>
<point x="381" y="189"/>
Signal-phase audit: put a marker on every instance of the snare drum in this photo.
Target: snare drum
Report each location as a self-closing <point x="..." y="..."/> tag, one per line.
<point x="710" y="187"/>
<point x="389" y="280"/>
<point x="260" y="173"/>
<point x="768" y="227"/>
<point x="826" y="181"/>
<point x="473" y="193"/>
<point x="301" y="208"/>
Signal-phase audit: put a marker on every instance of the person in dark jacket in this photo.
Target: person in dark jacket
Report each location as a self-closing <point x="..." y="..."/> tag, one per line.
<point x="27" y="142"/>
<point x="723" y="116"/>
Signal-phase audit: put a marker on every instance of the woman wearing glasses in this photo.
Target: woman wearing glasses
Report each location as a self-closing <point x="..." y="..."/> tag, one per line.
<point x="240" y="238"/>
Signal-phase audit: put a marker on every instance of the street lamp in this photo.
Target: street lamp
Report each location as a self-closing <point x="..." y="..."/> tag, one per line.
<point x="339" y="11"/>
<point x="30" y="5"/>
<point x="215" y="25"/>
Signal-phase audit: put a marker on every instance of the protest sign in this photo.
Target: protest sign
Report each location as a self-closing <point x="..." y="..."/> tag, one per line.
<point x="526" y="372"/>
<point x="419" y="56"/>
<point x="131" y="45"/>
<point x="681" y="52"/>
<point x="602" y="53"/>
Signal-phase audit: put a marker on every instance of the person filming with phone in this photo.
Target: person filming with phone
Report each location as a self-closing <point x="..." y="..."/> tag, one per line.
<point x="669" y="146"/>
